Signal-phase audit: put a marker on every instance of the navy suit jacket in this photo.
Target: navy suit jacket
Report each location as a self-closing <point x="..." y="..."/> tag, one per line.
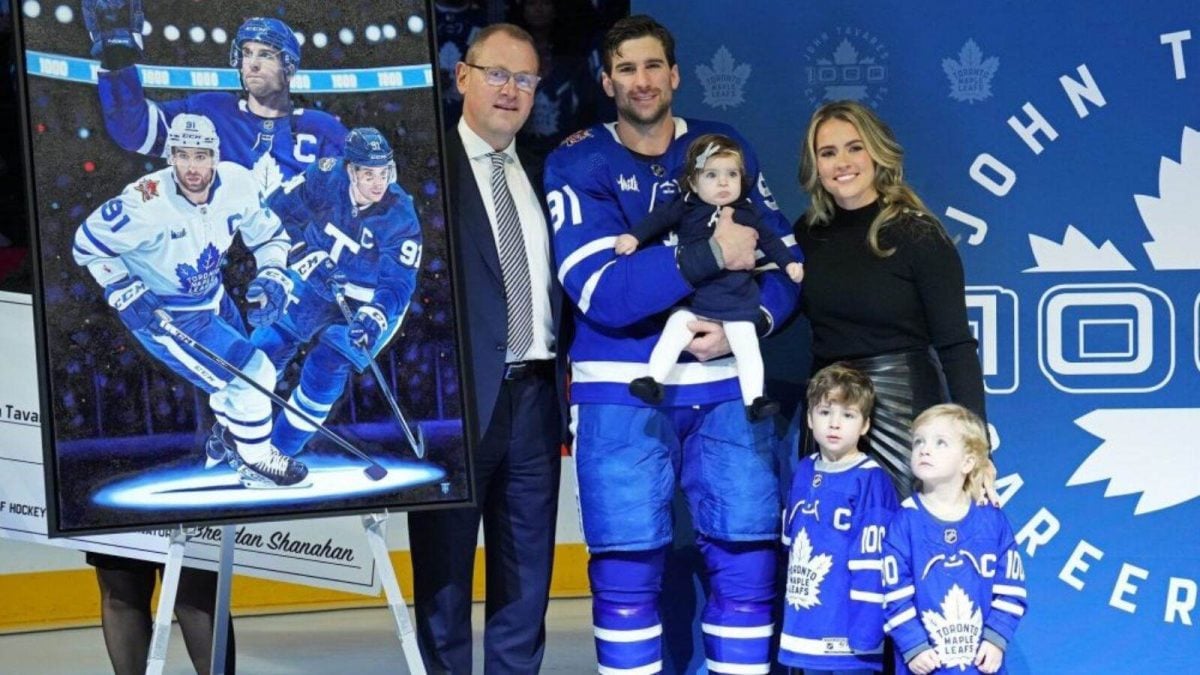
<point x="485" y="315"/>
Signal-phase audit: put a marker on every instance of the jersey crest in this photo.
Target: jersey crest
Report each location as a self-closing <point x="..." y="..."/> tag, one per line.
<point x="956" y="630"/>
<point x="577" y="137"/>
<point x="148" y="187"/>
<point x="805" y="573"/>
<point x="201" y="278"/>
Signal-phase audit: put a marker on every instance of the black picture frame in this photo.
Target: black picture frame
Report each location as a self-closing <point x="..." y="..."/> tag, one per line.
<point x="124" y="435"/>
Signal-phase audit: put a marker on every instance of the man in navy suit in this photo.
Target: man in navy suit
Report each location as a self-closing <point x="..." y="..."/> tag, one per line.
<point x="501" y="244"/>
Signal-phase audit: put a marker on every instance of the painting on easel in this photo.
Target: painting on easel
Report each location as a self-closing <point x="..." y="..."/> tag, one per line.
<point x="244" y="298"/>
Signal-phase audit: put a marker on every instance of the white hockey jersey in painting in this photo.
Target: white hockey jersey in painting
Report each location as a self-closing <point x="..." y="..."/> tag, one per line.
<point x="152" y="232"/>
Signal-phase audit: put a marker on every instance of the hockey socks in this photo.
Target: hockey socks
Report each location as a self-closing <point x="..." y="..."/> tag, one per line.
<point x="322" y="381"/>
<point x="737" y="621"/>
<point x="625" y="590"/>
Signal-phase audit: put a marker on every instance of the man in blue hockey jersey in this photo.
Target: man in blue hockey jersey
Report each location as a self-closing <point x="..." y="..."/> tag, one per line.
<point x="157" y="249"/>
<point x="356" y="235"/>
<point x="629" y="456"/>
<point x="261" y="130"/>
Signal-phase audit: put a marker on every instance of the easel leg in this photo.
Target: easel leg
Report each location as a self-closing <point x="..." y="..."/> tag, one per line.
<point x="220" y="643"/>
<point x="157" y="659"/>
<point x="373" y="524"/>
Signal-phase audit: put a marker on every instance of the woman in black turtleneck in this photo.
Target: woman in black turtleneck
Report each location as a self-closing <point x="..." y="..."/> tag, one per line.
<point x="883" y="285"/>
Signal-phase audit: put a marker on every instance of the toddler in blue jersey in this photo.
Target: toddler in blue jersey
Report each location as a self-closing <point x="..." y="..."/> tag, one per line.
<point x="833" y="528"/>
<point x="953" y="577"/>
<point x="716" y="182"/>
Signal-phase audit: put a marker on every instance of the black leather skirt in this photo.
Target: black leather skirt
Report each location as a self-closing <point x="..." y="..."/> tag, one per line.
<point x="906" y="384"/>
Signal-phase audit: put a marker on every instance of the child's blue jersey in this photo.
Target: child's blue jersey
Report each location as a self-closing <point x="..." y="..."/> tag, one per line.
<point x="378" y="249"/>
<point x="596" y="189"/>
<point x="950" y="585"/>
<point x="833" y="530"/>
<point x="275" y="149"/>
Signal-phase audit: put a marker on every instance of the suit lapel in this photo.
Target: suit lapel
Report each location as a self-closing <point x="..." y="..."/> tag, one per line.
<point x="469" y="215"/>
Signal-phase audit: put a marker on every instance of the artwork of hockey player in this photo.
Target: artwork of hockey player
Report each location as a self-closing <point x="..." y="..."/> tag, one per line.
<point x="261" y="130"/>
<point x="355" y="261"/>
<point x="133" y="443"/>
<point x="156" y="250"/>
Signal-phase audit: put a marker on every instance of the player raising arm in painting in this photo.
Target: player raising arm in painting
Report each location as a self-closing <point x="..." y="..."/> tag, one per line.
<point x="157" y="249"/>
<point x="357" y="237"/>
<point x="259" y="129"/>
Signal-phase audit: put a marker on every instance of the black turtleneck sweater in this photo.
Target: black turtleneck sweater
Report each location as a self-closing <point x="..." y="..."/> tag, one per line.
<point x="862" y="305"/>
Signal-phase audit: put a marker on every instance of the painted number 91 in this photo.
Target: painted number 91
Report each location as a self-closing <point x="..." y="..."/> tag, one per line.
<point x="410" y="253"/>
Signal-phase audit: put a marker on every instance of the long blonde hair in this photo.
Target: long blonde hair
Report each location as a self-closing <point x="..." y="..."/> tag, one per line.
<point x="896" y="198"/>
<point x="975" y="441"/>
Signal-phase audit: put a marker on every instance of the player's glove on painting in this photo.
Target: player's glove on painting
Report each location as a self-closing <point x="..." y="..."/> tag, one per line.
<point x="135" y="304"/>
<point x="369" y="323"/>
<point x="268" y="296"/>
<point x="321" y="273"/>
<point x="115" y="27"/>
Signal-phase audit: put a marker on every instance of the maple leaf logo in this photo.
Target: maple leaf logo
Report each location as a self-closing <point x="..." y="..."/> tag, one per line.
<point x="845" y="87"/>
<point x="1171" y="218"/>
<point x="805" y="573"/>
<point x="199" y="280"/>
<point x="1159" y="459"/>
<point x="724" y="81"/>
<point x="267" y="174"/>
<point x="956" y="631"/>
<point x="1076" y="253"/>
<point x="971" y="75"/>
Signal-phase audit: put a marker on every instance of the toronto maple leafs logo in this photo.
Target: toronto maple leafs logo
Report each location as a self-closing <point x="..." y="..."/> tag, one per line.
<point x="206" y="274"/>
<point x="971" y="75"/>
<point x="724" y="81"/>
<point x="267" y="174"/>
<point x="956" y="630"/>
<point x="846" y="63"/>
<point x="805" y="573"/>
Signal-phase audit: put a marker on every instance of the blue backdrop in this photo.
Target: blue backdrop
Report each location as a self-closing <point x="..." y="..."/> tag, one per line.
<point x="1061" y="143"/>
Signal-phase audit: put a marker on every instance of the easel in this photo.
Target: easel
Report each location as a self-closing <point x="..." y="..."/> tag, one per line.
<point x="373" y="526"/>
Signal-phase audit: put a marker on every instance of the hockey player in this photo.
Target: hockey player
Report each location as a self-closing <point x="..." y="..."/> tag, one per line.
<point x="157" y="249"/>
<point x="261" y="130"/>
<point x="356" y="235"/>
<point x="631" y="456"/>
<point x="840" y="504"/>
<point x="952" y="573"/>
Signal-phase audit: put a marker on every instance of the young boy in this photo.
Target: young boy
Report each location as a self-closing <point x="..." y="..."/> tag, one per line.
<point x="953" y="575"/>
<point x="840" y="504"/>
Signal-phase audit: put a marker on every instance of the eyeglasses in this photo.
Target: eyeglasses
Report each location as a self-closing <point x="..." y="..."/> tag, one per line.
<point x="498" y="77"/>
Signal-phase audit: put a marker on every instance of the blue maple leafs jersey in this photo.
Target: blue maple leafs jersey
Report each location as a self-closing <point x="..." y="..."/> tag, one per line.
<point x="378" y="249"/>
<point x="950" y="585"/>
<point x="597" y="189"/>
<point x="274" y="148"/>
<point x="833" y="531"/>
<point x="152" y="232"/>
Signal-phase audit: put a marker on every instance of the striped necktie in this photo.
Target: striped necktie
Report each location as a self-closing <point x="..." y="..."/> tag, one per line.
<point x="513" y="264"/>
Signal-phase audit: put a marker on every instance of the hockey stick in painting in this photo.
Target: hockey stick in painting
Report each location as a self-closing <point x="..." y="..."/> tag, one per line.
<point x="416" y="441"/>
<point x="375" y="471"/>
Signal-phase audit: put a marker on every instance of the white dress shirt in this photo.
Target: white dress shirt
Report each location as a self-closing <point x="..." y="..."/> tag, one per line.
<point x="533" y="228"/>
